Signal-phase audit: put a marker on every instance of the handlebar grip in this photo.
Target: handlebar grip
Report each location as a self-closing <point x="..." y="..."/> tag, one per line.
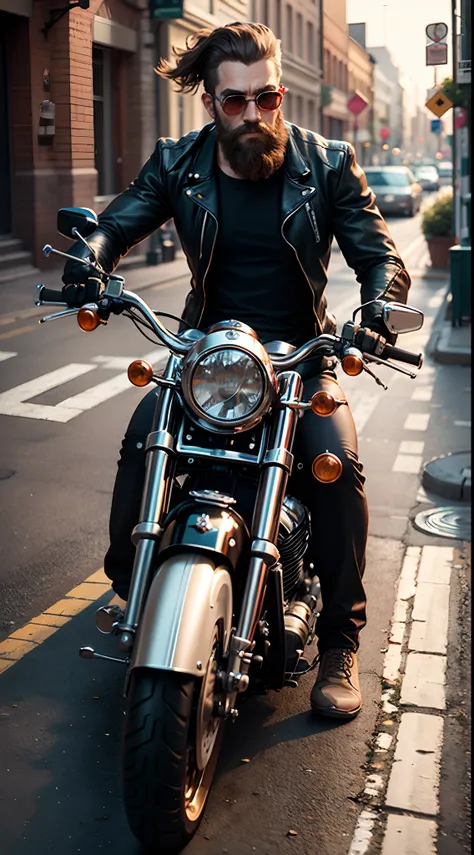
<point x="391" y="352"/>
<point x="51" y="295"/>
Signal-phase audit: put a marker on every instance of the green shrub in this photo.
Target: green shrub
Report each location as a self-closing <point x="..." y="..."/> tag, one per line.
<point x="437" y="220"/>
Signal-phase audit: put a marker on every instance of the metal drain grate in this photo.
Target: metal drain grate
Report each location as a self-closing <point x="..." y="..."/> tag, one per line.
<point x="450" y="522"/>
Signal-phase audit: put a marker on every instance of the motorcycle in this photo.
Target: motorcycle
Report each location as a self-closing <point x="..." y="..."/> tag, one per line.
<point x="223" y="601"/>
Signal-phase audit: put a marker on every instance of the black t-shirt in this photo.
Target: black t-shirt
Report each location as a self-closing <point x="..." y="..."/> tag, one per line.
<point x="255" y="276"/>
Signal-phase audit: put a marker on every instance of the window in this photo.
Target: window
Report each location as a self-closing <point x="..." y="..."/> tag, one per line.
<point x="288" y="107"/>
<point x="299" y="36"/>
<point x="310" y="46"/>
<point x="265" y="12"/>
<point x="104" y="154"/>
<point x="278" y="18"/>
<point x="311" y="116"/>
<point x="289" y="27"/>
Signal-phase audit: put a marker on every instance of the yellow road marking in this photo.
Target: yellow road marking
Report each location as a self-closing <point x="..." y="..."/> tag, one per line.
<point x="40" y="628"/>
<point x="89" y="590"/>
<point x="19" y="316"/>
<point x="20" y="331"/>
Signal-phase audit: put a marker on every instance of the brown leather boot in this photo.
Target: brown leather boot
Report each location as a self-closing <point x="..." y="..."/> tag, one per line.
<point x="336" y="692"/>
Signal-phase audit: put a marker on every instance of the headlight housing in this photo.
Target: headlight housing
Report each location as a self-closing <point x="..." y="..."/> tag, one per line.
<point x="228" y="381"/>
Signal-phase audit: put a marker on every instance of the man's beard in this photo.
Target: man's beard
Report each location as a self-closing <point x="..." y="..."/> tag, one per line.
<point x="253" y="157"/>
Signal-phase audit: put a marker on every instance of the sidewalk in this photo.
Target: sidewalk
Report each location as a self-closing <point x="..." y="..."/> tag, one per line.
<point x="453" y="345"/>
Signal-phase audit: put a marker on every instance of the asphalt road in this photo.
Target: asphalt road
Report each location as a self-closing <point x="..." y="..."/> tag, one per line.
<point x="60" y="716"/>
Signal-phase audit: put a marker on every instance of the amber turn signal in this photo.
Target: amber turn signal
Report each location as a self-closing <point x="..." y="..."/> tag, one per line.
<point x="88" y="320"/>
<point x="323" y="403"/>
<point x="352" y="364"/>
<point x="327" y="468"/>
<point x="140" y="373"/>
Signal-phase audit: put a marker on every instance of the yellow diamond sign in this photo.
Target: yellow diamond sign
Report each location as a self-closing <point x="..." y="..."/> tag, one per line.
<point x="439" y="103"/>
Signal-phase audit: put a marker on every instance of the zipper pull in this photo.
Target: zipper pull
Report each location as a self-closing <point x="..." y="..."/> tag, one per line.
<point x="312" y="219"/>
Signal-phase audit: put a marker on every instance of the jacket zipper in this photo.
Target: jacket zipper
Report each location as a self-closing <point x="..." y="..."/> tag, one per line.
<point x="299" y="262"/>
<point x="202" y="234"/>
<point x="313" y="222"/>
<point x="208" y="264"/>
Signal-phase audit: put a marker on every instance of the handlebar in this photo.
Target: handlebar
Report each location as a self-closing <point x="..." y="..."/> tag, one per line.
<point x="51" y="295"/>
<point x="324" y="345"/>
<point x="391" y="352"/>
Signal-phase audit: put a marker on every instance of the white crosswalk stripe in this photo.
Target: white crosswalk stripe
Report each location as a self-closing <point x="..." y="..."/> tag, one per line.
<point x="17" y="401"/>
<point x="4" y="354"/>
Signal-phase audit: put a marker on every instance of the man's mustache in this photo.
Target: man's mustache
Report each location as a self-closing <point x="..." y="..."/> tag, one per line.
<point x="254" y="128"/>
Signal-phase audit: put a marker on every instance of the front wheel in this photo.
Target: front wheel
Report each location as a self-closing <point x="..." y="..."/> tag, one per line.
<point x="170" y="750"/>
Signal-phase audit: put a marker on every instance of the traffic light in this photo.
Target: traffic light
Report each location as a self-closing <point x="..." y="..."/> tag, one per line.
<point x="166" y="9"/>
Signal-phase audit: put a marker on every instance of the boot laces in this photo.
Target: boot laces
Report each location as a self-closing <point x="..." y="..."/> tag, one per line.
<point x="339" y="663"/>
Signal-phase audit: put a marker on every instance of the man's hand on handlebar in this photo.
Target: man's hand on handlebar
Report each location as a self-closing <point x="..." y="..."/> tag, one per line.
<point x="80" y="288"/>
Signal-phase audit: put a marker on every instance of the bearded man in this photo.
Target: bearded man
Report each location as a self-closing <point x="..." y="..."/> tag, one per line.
<point x="256" y="202"/>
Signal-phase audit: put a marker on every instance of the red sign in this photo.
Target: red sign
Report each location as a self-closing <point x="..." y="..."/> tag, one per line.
<point x="357" y="103"/>
<point x="385" y="133"/>
<point x="460" y="117"/>
<point x="437" y="54"/>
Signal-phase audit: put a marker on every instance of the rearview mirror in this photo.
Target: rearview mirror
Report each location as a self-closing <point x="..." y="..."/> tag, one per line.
<point x="83" y="219"/>
<point x="399" y="318"/>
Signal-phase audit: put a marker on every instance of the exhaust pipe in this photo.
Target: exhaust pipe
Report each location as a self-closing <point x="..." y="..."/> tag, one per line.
<point x="299" y="621"/>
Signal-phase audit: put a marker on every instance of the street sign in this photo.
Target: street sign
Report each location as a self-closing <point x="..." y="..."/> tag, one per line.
<point x="464" y="71"/>
<point x="439" y="103"/>
<point x="436" y="126"/>
<point x="460" y="117"/>
<point x="356" y="103"/>
<point x="437" y="32"/>
<point x="165" y="9"/>
<point x="437" y="54"/>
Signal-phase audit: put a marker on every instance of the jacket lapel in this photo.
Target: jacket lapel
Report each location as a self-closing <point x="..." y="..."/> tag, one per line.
<point x="296" y="190"/>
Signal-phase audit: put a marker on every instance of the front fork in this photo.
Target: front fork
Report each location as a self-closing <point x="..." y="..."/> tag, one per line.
<point x="264" y="554"/>
<point x="160" y="467"/>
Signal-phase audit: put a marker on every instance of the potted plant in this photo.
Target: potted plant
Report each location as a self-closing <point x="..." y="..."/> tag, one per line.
<point x="437" y="227"/>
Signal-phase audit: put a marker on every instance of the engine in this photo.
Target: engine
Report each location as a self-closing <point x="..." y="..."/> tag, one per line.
<point x="292" y="544"/>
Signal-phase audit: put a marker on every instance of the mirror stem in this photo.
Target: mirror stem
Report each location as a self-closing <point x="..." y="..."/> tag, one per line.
<point x="77" y="234"/>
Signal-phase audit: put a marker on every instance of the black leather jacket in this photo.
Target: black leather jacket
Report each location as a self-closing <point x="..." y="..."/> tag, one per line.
<point x="325" y="194"/>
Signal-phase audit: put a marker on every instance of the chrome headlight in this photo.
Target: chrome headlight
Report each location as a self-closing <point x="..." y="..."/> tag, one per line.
<point x="228" y="381"/>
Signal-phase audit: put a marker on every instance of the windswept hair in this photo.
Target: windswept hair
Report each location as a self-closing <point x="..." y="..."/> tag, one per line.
<point x="205" y="50"/>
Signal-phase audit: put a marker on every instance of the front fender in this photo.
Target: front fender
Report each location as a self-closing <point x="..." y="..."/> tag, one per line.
<point x="189" y="595"/>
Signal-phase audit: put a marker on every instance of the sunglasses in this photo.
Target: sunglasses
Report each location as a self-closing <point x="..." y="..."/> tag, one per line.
<point x="232" y="105"/>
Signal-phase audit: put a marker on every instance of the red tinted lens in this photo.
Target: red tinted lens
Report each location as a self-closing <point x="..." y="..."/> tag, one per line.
<point x="269" y="100"/>
<point x="233" y="104"/>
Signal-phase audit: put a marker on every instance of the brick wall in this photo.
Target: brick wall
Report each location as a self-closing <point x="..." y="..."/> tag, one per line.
<point x="46" y="177"/>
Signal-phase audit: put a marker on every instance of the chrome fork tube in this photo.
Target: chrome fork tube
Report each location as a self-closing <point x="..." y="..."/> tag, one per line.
<point x="278" y="462"/>
<point x="160" y="457"/>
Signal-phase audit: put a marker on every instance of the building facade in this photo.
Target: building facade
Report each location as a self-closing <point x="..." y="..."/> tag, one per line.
<point x="83" y="106"/>
<point x="297" y="23"/>
<point x="361" y="67"/>
<point x="336" y="73"/>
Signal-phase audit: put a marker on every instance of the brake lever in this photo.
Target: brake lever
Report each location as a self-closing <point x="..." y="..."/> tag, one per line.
<point x="56" y="315"/>
<point x="388" y="364"/>
<point x="377" y="379"/>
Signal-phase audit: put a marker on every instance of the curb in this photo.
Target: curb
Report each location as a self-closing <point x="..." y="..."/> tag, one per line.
<point x="448" y="354"/>
<point x="449" y="476"/>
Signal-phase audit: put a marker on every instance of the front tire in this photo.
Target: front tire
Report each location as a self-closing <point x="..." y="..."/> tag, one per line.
<point x="164" y="790"/>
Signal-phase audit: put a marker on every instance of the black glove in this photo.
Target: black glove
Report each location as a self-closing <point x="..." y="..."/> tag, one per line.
<point x="81" y="284"/>
<point x="373" y="320"/>
<point x="77" y="295"/>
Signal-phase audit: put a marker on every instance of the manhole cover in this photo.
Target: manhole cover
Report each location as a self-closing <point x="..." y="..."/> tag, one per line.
<point x="445" y="522"/>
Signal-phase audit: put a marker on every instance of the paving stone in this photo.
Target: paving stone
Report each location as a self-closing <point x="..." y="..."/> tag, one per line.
<point x="414" y="779"/>
<point x="424" y="681"/>
<point x="409" y="835"/>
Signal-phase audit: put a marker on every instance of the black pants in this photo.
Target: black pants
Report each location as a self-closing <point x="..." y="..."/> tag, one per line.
<point x="338" y="511"/>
